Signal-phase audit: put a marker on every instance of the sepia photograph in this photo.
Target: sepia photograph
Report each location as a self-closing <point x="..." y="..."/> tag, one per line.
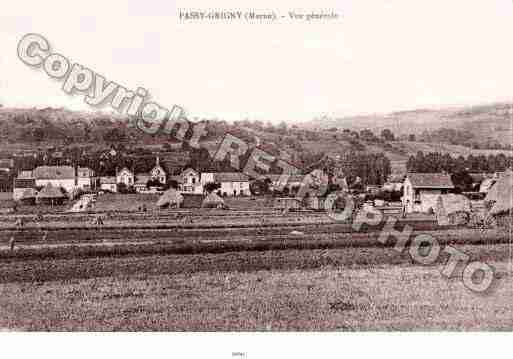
<point x="328" y="169"/>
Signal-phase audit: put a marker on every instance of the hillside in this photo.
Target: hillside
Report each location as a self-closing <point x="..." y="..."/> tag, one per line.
<point x="492" y="122"/>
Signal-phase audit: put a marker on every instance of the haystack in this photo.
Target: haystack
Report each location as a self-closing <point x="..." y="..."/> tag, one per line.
<point x="170" y="198"/>
<point x="500" y="197"/>
<point x="453" y="209"/>
<point x="212" y="200"/>
<point x="50" y="195"/>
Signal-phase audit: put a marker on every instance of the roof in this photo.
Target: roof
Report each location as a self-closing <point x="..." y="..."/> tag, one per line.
<point x="25" y="175"/>
<point x="24" y="183"/>
<point x="28" y="193"/>
<point x="430" y="180"/>
<point x="50" y="191"/>
<point x="107" y="180"/>
<point x="142" y="179"/>
<point x="125" y="169"/>
<point x="54" y="172"/>
<point x="230" y="177"/>
<point x="186" y="171"/>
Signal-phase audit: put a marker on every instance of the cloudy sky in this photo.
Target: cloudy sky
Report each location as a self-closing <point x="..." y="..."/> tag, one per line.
<point x="380" y="56"/>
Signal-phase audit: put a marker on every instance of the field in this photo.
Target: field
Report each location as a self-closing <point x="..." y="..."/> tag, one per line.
<point x="221" y="272"/>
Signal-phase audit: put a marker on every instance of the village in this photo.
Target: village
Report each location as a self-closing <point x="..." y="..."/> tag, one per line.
<point x="75" y="189"/>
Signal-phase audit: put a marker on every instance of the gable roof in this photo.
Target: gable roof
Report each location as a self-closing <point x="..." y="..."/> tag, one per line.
<point x="230" y="177"/>
<point x="125" y="169"/>
<point x="24" y="183"/>
<point x="430" y="180"/>
<point x="50" y="191"/>
<point x="54" y="172"/>
<point x="501" y="193"/>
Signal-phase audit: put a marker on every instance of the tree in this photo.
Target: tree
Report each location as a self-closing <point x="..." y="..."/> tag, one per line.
<point x="212" y="186"/>
<point x="411" y="137"/>
<point x="387" y="135"/>
<point x="260" y="186"/>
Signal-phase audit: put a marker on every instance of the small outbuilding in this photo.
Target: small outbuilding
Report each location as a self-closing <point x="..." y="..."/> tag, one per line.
<point x="453" y="209"/>
<point x="51" y="195"/>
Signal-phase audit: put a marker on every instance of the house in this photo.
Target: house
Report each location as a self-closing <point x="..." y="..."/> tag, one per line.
<point x="232" y="183"/>
<point x="191" y="181"/>
<point x="280" y="182"/>
<point x="108" y="184"/>
<point x="126" y="177"/>
<point x="21" y="185"/>
<point x="85" y="178"/>
<point x="141" y="182"/>
<point x="56" y="176"/>
<point x="158" y="173"/>
<point x="421" y="191"/>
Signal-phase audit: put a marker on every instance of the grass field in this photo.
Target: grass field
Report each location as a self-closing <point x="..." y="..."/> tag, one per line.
<point x="288" y="290"/>
<point x="248" y="281"/>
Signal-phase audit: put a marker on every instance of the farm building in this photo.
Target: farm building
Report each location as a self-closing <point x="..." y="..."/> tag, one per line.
<point x="22" y="184"/>
<point x="108" y="184"/>
<point x="289" y="203"/>
<point x="421" y="191"/>
<point x="212" y="200"/>
<point x="28" y="196"/>
<point x="232" y="183"/>
<point x="170" y="198"/>
<point x="141" y="181"/>
<point x="50" y="194"/>
<point x="453" y="209"/>
<point x="280" y="182"/>
<point x="56" y="176"/>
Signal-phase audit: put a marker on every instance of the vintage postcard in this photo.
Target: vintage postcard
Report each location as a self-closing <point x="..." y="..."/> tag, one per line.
<point x="264" y="167"/>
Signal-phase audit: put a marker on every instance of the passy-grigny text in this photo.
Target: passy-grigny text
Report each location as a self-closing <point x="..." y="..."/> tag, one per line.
<point x="210" y="15"/>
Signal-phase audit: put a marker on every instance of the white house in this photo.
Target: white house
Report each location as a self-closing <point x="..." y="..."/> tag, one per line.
<point x="85" y="178"/>
<point x="421" y="190"/>
<point x="232" y="183"/>
<point x="57" y="176"/>
<point x="126" y="177"/>
<point x="191" y="181"/>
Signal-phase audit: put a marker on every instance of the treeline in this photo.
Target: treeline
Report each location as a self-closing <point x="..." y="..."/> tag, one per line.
<point x="438" y="162"/>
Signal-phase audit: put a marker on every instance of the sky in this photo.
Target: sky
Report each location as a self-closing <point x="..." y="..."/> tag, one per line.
<point x="379" y="56"/>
